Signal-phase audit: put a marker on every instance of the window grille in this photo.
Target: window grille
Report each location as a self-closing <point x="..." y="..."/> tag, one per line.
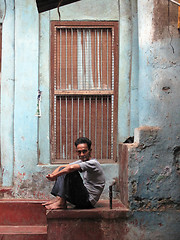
<point x="83" y="88"/>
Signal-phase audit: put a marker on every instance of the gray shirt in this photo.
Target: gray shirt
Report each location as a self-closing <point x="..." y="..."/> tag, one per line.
<point x="93" y="178"/>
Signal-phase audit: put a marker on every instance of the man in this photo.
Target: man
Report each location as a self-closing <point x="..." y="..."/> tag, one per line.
<point x="69" y="186"/>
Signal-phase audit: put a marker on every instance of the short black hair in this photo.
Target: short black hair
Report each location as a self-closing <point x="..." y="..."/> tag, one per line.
<point x="83" y="140"/>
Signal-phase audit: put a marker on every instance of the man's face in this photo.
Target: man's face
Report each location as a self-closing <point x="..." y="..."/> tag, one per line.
<point x="83" y="152"/>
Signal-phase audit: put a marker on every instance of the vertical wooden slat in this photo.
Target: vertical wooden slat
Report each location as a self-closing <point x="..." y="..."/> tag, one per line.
<point x="84" y="116"/>
<point x="72" y="126"/>
<point x="96" y="127"/>
<point x="107" y="129"/>
<point x="71" y="59"/>
<point x="102" y="122"/>
<point x="57" y="127"/>
<point x="75" y="60"/>
<point x="107" y="64"/>
<point x="63" y="58"/>
<point x="101" y="70"/>
<point x="69" y="125"/>
<point x="66" y="127"/>
<point x="66" y="59"/>
<point x="95" y="59"/>
<point x="60" y="123"/>
<point x="60" y="58"/>
<point x="93" y="124"/>
<point x="78" y="128"/>
<point x="87" y="117"/>
<point x="109" y="58"/>
<point x="68" y="56"/>
<point x="90" y="116"/>
<point x="75" y="122"/>
<point x="63" y="122"/>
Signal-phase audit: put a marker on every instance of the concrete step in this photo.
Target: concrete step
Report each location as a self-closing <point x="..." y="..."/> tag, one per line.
<point x="100" y="223"/>
<point x="23" y="232"/>
<point x="22" y="219"/>
<point x="23" y="237"/>
<point x="28" y="220"/>
<point x="22" y="212"/>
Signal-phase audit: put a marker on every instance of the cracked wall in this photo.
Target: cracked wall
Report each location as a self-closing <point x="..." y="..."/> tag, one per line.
<point x="152" y="172"/>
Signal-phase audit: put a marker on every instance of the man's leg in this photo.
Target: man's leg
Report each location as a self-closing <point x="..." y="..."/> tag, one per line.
<point x="69" y="187"/>
<point x="58" y="191"/>
<point x="75" y="192"/>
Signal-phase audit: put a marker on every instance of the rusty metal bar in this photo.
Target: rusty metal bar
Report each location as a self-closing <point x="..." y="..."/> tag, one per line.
<point x="107" y="149"/>
<point x="90" y="118"/>
<point x="101" y="126"/>
<point x="72" y="107"/>
<point x="95" y="127"/>
<point x="78" y="120"/>
<point x="60" y="57"/>
<point x="95" y="79"/>
<point x="110" y="193"/>
<point x="66" y="58"/>
<point x="84" y="116"/>
<point x="60" y="122"/>
<point x="107" y="62"/>
<point x="66" y="128"/>
<point x="112" y="125"/>
<point x="71" y="59"/>
<point x="101" y="78"/>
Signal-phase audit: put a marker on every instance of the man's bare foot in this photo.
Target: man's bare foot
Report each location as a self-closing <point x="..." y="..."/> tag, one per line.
<point x="51" y="201"/>
<point x="59" y="204"/>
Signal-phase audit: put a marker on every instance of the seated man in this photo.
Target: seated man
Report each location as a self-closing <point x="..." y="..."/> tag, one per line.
<point x="69" y="186"/>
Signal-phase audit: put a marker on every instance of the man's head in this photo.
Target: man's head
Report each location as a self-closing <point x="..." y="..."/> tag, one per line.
<point x="83" y="148"/>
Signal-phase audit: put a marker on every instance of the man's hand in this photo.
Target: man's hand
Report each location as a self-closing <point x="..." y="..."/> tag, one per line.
<point x="68" y="169"/>
<point x="51" y="177"/>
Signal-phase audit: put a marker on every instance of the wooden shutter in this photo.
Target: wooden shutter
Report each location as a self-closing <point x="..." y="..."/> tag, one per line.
<point x="84" y="67"/>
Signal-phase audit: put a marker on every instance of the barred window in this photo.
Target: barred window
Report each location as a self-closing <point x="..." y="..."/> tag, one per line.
<point x="84" y="86"/>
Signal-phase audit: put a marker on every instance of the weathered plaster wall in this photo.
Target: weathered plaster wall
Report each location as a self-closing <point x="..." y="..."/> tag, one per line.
<point x="149" y="168"/>
<point x="158" y="225"/>
<point x="159" y="61"/>
<point x="153" y="177"/>
<point x="128" y="117"/>
<point x="25" y="148"/>
<point x="7" y="94"/>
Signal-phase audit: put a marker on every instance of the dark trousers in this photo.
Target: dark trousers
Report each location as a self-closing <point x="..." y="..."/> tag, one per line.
<point x="70" y="187"/>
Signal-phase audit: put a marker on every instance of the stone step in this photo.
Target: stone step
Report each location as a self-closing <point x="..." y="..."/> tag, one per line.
<point x="22" y="219"/>
<point x="101" y="211"/>
<point x="22" y="212"/>
<point x="100" y="223"/>
<point x="28" y="220"/>
<point x="23" y="229"/>
<point x="23" y="236"/>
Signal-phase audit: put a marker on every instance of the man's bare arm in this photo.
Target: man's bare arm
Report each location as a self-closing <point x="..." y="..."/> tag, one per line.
<point x="58" y="168"/>
<point x="68" y="169"/>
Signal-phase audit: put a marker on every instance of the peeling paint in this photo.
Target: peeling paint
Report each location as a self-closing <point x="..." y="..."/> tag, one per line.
<point x="164" y="174"/>
<point x="163" y="19"/>
<point x="177" y="159"/>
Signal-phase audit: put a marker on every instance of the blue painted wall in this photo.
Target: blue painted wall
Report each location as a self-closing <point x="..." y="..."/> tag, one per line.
<point x="25" y="148"/>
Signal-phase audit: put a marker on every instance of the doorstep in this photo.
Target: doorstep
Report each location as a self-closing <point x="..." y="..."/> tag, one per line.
<point x="101" y="211"/>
